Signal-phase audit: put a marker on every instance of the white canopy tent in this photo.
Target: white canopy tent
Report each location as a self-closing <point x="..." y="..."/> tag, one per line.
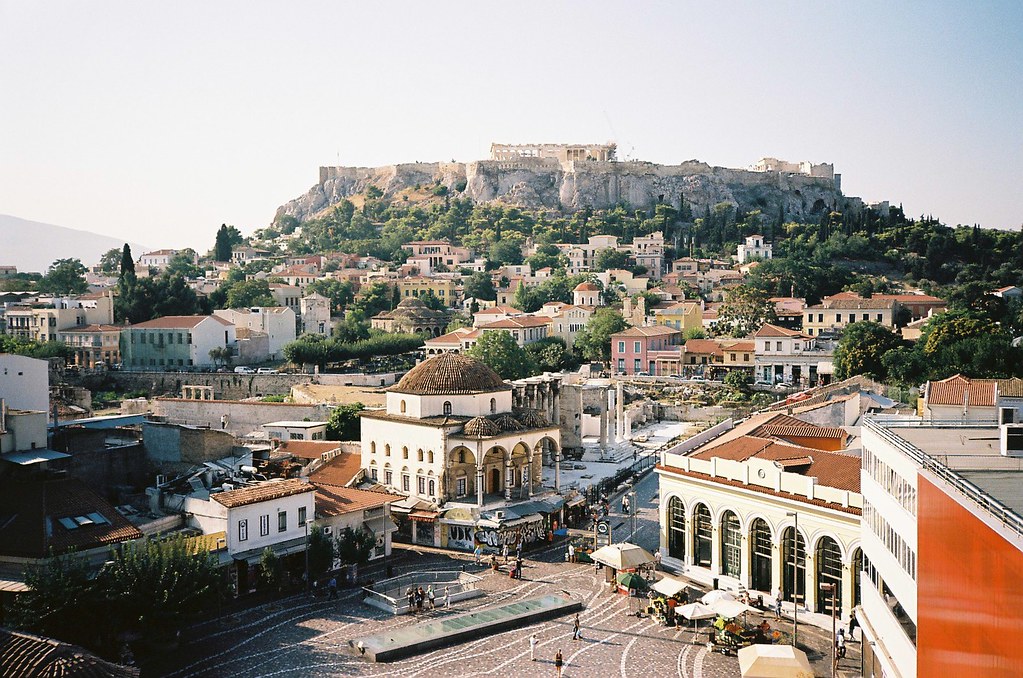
<point x="712" y="597"/>
<point x="669" y="586"/>
<point x="774" y="661"/>
<point x="729" y="609"/>
<point x="623" y="556"/>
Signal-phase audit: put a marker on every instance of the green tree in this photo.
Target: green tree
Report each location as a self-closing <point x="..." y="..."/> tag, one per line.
<point x="480" y="285"/>
<point x="508" y="250"/>
<point x="594" y="341"/>
<point x="547" y="256"/>
<point x="248" y="293"/>
<point x="354" y="546"/>
<point x="344" y="422"/>
<point x="222" y="248"/>
<point x="108" y="263"/>
<point x="861" y="349"/>
<point x="183" y="263"/>
<point x="351" y="330"/>
<point x="947" y="328"/>
<point x="60" y="602"/>
<point x="551" y="355"/>
<point x="740" y="380"/>
<point x="373" y="299"/>
<point x="321" y="552"/>
<point x="65" y="276"/>
<point x="503" y="355"/>
<point x="694" y="333"/>
<point x="745" y="310"/>
<point x="271" y="572"/>
<point x="432" y="301"/>
<point x="221" y="355"/>
<point x="608" y="259"/>
<point x="340" y="292"/>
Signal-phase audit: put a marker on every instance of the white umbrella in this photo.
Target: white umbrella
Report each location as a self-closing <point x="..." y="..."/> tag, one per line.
<point x="774" y="661"/>
<point x="712" y="597"/>
<point x="669" y="586"/>
<point x="624" y="556"/>
<point x="729" y="609"/>
<point x="696" y="611"/>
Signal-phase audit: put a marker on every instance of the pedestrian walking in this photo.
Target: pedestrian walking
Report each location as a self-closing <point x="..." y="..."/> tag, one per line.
<point x="532" y="648"/>
<point x="840" y="644"/>
<point x="332" y="589"/>
<point x="430" y="596"/>
<point x="853" y="624"/>
<point x="571" y="553"/>
<point x="576" y="634"/>
<point x="559" y="661"/>
<point x="478" y="553"/>
<point x="518" y="568"/>
<point x="657" y="559"/>
<point x="447" y="596"/>
<point x="411" y="600"/>
<point x="777" y="604"/>
<point x="504" y="552"/>
<point x="223" y="421"/>
<point x="625" y="505"/>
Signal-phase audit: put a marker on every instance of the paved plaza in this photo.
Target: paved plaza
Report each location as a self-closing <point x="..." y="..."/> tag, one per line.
<point x="303" y="636"/>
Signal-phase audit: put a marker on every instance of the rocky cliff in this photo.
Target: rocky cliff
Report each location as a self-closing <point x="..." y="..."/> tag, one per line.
<point x="547" y="183"/>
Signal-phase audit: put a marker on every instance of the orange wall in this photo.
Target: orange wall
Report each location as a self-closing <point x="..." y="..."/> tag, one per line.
<point x="970" y="593"/>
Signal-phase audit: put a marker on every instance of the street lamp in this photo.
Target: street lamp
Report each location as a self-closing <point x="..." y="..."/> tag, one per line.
<point x="632" y="511"/>
<point x="795" y="577"/>
<point x="829" y="587"/>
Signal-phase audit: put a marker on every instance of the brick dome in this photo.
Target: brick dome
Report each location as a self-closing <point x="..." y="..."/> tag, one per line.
<point x="450" y="374"/>
<point x="586" y="287"/>
<point x="481" y="427"/>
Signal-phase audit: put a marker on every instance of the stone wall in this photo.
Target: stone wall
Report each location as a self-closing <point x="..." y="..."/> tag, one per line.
<point x="242" y="417"/>
<point x="226" y="385"/>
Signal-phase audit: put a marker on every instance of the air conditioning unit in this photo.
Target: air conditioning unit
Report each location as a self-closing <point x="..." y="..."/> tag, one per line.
<point x="1012" y="440"/>
<point x="328" y="530"/>
<point x="499" y="515"/>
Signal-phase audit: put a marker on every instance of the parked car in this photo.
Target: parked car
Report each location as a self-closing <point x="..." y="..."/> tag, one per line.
<point x="697" y="377"/>
<point x="243" y="369"/>
<point x="266" y="370"/>
<point x="782" y="385"/>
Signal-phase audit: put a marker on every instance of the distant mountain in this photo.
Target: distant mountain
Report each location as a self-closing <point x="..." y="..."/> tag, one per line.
<point x="33" y="246"/>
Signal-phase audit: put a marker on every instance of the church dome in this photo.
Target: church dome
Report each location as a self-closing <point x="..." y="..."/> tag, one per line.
<point x="450" y="374"/>
<point x="480" y="427"/>
<point x="586" y="287"/>
<point x="506" y="422"/>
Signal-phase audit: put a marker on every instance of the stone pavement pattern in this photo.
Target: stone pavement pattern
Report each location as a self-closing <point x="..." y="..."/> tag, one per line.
<point x="302" y="636"/>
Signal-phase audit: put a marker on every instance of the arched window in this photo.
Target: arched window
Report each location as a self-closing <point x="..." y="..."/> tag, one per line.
<point x="857" y="566"/>
<point x="794" y="561"/>
<point x="404" y="452"/>
<point x="731" y="545"/>
<point x="403" y="407"/>
<point x="433" y="487"/>
<point x="703" y="536"/>
<point x="429" y="456"/>
<point x="493" y="405"/>
<point x="373" y="448"/>
<point x="461" y="456"/>
<point x="420" y="455"/>
<point x="760" y="556"/>
<point x="387" y="450"/>
<point x="676" y="529"/>
<point x="447" y="407"/>
<point x="828" y="559"/>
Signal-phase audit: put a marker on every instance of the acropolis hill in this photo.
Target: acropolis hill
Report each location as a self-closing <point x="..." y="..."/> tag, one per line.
<point x="571" y="177"/>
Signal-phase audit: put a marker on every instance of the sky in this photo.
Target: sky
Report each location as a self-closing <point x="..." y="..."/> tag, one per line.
<point x="157" y="122"/>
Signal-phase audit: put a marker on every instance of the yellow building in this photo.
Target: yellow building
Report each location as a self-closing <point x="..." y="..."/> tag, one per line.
<point x="445" y="289"/>
<point x="682" y="316"/>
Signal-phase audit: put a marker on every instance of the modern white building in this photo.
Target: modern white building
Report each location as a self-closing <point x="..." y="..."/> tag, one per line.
<point x="277" y="322"/>
<point x="784" y="355"/>
<point x="24" y="383"/>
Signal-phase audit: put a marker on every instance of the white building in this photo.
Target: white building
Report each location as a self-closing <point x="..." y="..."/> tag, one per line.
<point x="315" y="314"/>
<point x="277" y="322"/>
<point x="754" y="248"/>
<point x="586" y="294"/>
<point x="784" y="355"/>
<point x="175" y="342"/>
<point x="24" y="382"/>
<point x="755" y="507"/>
<point x="157" y="259"/>
<point x="296" y="430"/>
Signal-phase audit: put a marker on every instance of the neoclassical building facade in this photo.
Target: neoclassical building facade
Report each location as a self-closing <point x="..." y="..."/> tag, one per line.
<point x="759" y="512"/>
<point x="451" y="437"/>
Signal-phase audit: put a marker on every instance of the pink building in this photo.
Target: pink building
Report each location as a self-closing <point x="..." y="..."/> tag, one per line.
<point x="653" y="350"/>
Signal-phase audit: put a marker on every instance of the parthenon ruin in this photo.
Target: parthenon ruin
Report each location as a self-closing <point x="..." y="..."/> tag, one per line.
<point x="560" y="152"/>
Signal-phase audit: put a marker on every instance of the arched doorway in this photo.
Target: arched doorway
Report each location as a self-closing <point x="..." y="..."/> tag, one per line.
<point x="760" y="555"/>
<point x="495" y="480"/>
<point x="828" y="561"/>
<point x="703" y="536"/>
<point x="676" y="529"/>
<point x="794" y="571"/>
<point x="731" y="545"/>
<point x="857" y="566"/>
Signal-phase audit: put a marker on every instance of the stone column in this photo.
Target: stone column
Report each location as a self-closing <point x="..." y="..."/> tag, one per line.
<point x="745" y="560"/>
<point x="716" y="556"/>
<point x="479" y="486"/>
<point x="529" y="463"/>
<point x="620" y="430"/>
<point x="509" y="479"/>
<point x="777" y="565"/>
<point x="810" y="581"/>
<point x="557" y="470"/>
<point x="604" y="424"/>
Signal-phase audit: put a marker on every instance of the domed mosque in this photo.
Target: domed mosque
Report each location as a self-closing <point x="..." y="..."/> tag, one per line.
<point x="449" y="441"/>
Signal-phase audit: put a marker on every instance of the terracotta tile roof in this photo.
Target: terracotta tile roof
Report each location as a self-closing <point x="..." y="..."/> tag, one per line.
<point x="586" y="287"/>
<point x="854" y="303"/>
<point x="652" y="331"/>
<point x="764" y="490"/>
<point x="92" y="328"/>
<point x="28" y="509"/>
<point x="178" y="322"/>
<point x="953" y="391"/>
<point x="832" y="469"/>
<point x="266" y="491"/>
<point x="332" y="500"/>
<point x="703" y="346"/>
<point x="450" y="373"/>
<point x="769" y="330"/>
<point x="338" y="471"/>
<point x="308" y="449"/>
<point x="739" y="346"/>
<point x="29" y="656"/>
<point x="516" y="323"/>
<point x="1010" y="388"/>
<point x="499" y="310"/>
<point x="783" y="431"/>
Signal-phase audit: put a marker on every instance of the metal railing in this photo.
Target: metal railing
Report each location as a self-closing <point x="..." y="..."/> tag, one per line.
<point x="1006" y="516"/>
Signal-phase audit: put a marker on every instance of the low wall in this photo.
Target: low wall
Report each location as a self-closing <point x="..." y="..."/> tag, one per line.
<point x="242" y="417"/>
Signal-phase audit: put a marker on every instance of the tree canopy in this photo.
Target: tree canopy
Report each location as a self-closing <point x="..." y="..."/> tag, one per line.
<point x="862" y="348"/>
<point x="503" y="355"/>
<point x="65" y="276"/>
<point x="745" y="311"/>
<point x="593" y="342"/>
<point x="344" y="422"/>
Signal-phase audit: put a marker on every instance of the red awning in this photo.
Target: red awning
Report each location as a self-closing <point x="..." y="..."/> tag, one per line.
<point x="424" y="516"/>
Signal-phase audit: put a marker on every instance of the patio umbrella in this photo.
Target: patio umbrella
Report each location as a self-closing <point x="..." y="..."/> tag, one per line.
<point x="624" y="556"/>
<point x="729" y="609"/>
<point x="774" y="661"/>
<point x="712" y="597"/>
<point x="669" y="586"/>
<point x="631" y="580"/>
<point x="695" y="611"/>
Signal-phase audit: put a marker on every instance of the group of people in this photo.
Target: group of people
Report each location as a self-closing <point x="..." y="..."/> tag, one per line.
<point x="417" y="597"/>
<point x="559" y="659"/>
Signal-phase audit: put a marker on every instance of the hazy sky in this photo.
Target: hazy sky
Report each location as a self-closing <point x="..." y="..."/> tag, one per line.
<point x="159" y="121"/>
